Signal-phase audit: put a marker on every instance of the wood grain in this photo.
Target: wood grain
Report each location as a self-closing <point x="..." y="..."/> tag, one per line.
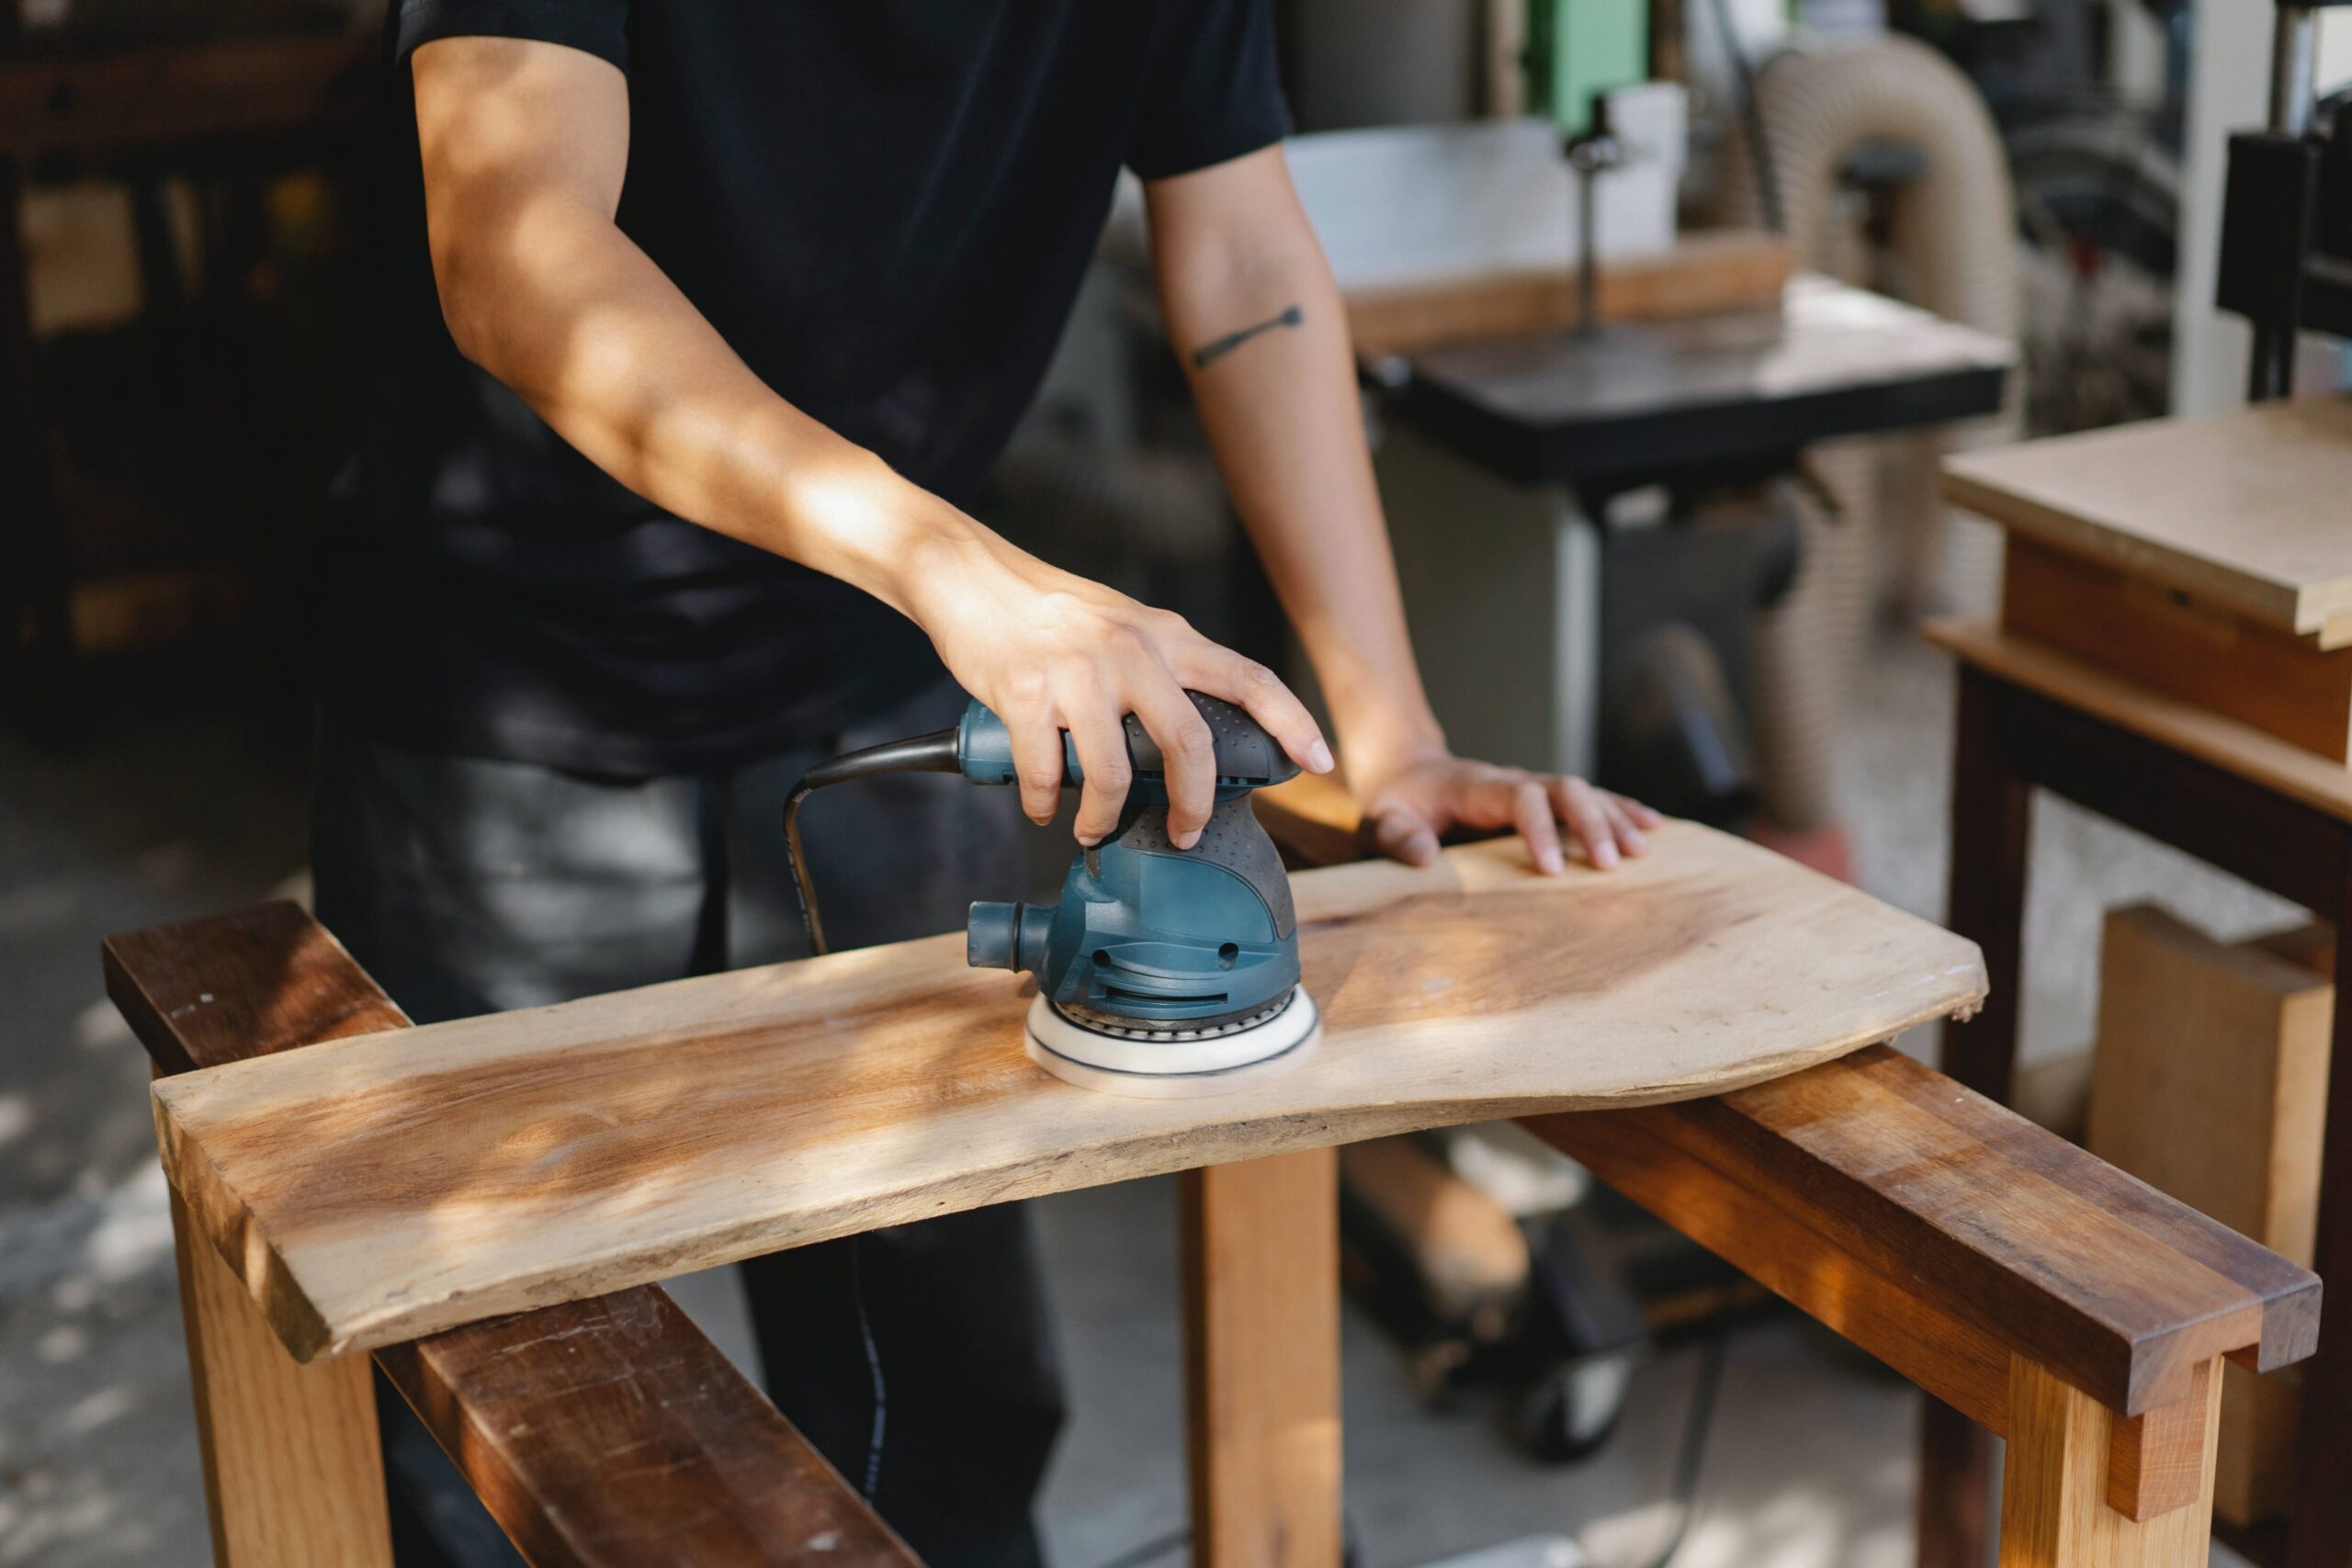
<point x="2211" y="1075"/>
<point x="2244" y="509"/>
<point x="1907" y="1181"/>
<point x="2227" y="743"/>
<point x="293" y="1476"/>
<point x="611" y="1431"/>
<point x="2280" y="684"/>
<point x="598" y="1433"/>
<point x="2160" y="1461"/>
<point x="2210" y="1085"/>
<point x="369" y="1191"/>
<point x="1726" y="269"/>
<point x="2054" y="1511"/>
<point x="1261" y="1341"/>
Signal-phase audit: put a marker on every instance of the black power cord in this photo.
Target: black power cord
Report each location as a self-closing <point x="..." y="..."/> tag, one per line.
<point x="1692" y="1458"/>
<point x="932" y="753"/>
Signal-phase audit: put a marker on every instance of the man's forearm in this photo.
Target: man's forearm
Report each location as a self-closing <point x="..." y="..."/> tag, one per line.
<point x="1257" y="322"/>
<point x="542" y="290"/>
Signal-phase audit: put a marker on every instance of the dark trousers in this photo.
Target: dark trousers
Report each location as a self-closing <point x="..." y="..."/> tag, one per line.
<point x="919" y="1359"/>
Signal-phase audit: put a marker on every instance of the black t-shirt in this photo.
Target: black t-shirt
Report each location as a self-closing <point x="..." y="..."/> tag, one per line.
<point x="885" y="207"/>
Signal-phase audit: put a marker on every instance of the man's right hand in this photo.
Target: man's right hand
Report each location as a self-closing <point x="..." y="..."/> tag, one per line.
<point x="1048" y="651"/>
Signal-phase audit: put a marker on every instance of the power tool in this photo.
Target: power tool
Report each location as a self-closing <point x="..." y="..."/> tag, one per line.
<point x="1161" y="970"/>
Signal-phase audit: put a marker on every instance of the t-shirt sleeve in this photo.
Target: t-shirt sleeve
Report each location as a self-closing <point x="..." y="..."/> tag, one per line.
<point x="598" y="27"/>
<point x="1211" y="91"/>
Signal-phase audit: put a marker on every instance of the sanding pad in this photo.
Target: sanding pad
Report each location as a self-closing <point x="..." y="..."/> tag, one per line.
<point x="1173" y="1069"/>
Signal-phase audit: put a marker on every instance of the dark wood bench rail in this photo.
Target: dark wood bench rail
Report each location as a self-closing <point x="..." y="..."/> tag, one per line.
<point x="598" y="1433"/>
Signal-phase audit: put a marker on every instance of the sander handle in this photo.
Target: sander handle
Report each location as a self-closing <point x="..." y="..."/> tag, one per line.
<point x="1248" y="757"/>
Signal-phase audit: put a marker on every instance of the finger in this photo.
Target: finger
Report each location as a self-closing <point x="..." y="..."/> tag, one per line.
<point x="1620" y="827"/>
<point x="1221" y="672"/>
<point x="1532" y="815"/>
<point x="1101" y="742"/>
<point x="1403" y="835"/>
<point x="1190" y="751"/>
<point x="1579" y="808"/>
<point x="1038" y="763"/>
<point x="1641" y="816"/>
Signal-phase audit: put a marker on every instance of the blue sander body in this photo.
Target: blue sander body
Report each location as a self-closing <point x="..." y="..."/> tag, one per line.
<point x="1159" y="971"/>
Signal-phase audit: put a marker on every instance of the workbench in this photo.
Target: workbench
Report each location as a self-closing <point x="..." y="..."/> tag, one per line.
<point x="1497" y="459"/>
<point x="2227" y="538"/>
<point x="486" y="1205"/>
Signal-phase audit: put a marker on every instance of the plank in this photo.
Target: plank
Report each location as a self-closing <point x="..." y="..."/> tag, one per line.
<point x="598" y="1433"/>
<point x="489" y="1165"/>
<point x="2244" y="509"/>
<point x="611" y="1431"/>
<point x="2279" y="683"/>
<point x="2227" y="743"/>
<point x="1980" y="1219"/>
<point x="1727" y="270"/>
<point x="2211" y="1075"/>
<point x="2054" y="1479"/>
<point x="1261" y="1320"/>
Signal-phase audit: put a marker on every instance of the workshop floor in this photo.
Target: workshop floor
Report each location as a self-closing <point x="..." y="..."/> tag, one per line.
<point x="187" y="800"/>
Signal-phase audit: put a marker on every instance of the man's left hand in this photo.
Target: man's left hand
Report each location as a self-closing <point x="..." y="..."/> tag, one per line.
<point x="1410" y="805"/>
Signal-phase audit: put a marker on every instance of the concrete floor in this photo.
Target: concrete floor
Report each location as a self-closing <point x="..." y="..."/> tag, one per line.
<point x="185" y="798"/>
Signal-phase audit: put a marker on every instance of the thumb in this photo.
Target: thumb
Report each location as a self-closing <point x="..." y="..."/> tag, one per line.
<point x="1404" y="834"/>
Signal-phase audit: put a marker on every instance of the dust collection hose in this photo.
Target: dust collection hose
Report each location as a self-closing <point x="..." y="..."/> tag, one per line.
<point x="932" y="753"/>
<point x="1953" y="241"/>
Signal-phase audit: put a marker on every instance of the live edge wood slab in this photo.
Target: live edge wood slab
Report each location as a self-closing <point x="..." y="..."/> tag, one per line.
<point x="376" y="1189"/>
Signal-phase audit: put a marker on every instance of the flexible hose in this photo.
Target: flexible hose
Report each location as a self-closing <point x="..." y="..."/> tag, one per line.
<point x="1952" y="243"/>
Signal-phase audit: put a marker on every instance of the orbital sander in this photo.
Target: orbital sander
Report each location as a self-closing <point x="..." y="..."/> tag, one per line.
<point x="1161" y="970"/>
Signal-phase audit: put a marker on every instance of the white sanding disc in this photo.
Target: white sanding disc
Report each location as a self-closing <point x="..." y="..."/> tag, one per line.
<point x="1167" y="1070"/>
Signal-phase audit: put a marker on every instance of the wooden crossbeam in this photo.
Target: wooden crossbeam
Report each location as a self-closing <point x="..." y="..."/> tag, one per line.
<point x="599" y="1433"/>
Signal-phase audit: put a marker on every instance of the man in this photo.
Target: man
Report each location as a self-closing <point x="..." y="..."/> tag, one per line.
<point x="685" y="327"/>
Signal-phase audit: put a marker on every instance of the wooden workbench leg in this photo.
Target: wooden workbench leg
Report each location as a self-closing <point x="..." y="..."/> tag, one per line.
<point x="2319" y="1535"/>
<point x="1992" y="824"/>
<point x="293" y="1476"/>
<point x="2057" y="1478"/>
<point x="1261" y="1318"/>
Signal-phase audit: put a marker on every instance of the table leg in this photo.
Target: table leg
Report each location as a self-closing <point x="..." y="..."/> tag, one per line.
<point x="2055" y="1511"/>
<point x="1261" y="1300"/>
<point x="293" y="1476"/>
<point x="2320" y="1534"/>
<point x="1992" y="822"/>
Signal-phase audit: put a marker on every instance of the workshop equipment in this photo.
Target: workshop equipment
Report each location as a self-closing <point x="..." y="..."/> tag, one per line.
<point x="1162" y="971"/>
<point x="2286" y="261"/>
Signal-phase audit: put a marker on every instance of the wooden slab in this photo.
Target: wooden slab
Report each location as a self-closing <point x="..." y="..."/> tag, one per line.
<point x="2246" y="510"/>
<point x="376" y="1189"/>
<point x="2199" y="732"/>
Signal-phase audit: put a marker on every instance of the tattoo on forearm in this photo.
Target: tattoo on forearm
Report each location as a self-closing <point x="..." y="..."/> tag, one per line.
<point x="1208" y="354"/>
